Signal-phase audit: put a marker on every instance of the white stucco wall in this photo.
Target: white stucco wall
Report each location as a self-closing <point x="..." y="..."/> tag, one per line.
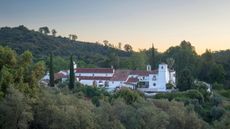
<point x="94" y="74"/>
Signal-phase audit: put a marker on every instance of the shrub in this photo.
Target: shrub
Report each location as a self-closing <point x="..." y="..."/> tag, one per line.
<point x="216" y="112"/>
<point x="128" y="95"/>
<point x="217" y="86"/>
<point x="216" y="100"/>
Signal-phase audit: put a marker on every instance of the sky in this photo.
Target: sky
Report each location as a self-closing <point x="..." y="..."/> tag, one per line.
<point x="165" y="23"/>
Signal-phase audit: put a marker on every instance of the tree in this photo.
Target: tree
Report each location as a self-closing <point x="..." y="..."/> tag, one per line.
<point x="73" y="37"/>
<point x="51" y="71"/>
<point x="185" y="80"/>
<point x="138" y="60"/>
<point x="185" y="56"/>
<point x="45" y="30"/>
<point x="119" y="45"/>
<point x="152" y="58"/>
<point x="71" y="74"/>
<point x="113" y="60"/>
<point x="7" y="57"/>
<point x="106" y="43"/>
<point x="210" y="71"/>
<point x="128" y="48"/>
<point x="170" y="62"/>
<point x="15" y="112"/>
<point x="54" y="32"/>
<point x="6" y="79"/>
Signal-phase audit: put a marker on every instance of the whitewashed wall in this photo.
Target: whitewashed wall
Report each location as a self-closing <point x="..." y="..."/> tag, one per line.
<point x="94" y="74"/>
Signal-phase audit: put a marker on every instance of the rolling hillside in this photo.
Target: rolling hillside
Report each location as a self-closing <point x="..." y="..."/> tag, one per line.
<point x="21" y="39"/>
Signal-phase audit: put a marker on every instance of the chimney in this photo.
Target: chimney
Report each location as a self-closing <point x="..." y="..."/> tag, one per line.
<point x="148" y="68"/>
<point x="74" y="65"/>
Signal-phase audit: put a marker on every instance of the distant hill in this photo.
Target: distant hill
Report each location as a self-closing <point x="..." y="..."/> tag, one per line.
<point x="21" y="39"/>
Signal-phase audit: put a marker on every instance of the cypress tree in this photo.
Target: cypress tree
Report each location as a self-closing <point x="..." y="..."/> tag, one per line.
<point x="152" y="57"/>
<point x="51" y="72"/>
<point x="71" y="74"/>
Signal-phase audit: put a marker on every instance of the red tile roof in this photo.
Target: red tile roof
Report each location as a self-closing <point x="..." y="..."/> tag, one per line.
<point x="93" y="78"/>
<point x="132" y="80"/>
<point x="94" y="70"/>
<point x="59" y="76"/>
<point x="120" y="75"/>
<point x="143" y="72"/>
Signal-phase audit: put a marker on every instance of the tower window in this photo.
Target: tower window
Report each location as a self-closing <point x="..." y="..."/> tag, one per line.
<point x="154" y="78"/>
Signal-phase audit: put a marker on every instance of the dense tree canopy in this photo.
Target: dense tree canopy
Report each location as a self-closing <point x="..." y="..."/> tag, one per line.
<point x="26" y="104"/>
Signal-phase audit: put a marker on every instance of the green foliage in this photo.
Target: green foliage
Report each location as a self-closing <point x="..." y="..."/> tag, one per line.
<point x="210" y="70"/>
<point x="185" y="80"/>
<point x="216" y="100"/>
<point x="180" y="117"/>
<point x="7" y="57"/>
<point x="31" y="106"/>
<point x="152" y="57"/>
<point x="44" y="30"/>
<point x="51" y="71"/>
<point x="128" y="48"/>
<point x="93" y="93"/>
<point x="216" y="113"/>
<point x="138" y="60"/>
<point x="217" y="86"/>
<point x="225" y="93"/>
<point x="185" y="57"/>
<point x="71" y="74"/>
<point x="128" y="95"/>
<point x="21" y="39"/>
<point x="169" y="85"/>
<point x="24" y="76"/>
<point x="15" y="111"/>
<point x="182" y="96"/>
<point x="223" y="123"/>
<point x="55" y="110"/>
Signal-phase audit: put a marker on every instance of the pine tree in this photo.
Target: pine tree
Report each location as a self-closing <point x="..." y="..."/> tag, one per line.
<point x="152" y="57"/>
<point x="185" y="80"/>
<point x="71" y="74"/>
<point x="51" y="72"/>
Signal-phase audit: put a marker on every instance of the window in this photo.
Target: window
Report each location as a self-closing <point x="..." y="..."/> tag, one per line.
<point x="154" y="84"/>
<point x="106" y="84"/>
<point x="79" y="74"/>
<point x="93" y="74"/>
<point x="143" y="85"/>
<point x="162" y="67"/>
<point x="154" y="78"/>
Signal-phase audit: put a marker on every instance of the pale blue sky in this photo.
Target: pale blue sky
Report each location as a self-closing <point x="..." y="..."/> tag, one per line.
<point x="205" y="23"/>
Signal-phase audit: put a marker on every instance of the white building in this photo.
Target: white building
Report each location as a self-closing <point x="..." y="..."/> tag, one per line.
<point x="157" y="80"/>
<point x="143" y="80"/>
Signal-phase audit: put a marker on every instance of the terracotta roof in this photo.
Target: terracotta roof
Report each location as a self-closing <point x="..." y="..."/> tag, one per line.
<point x="143" y="72"/>
<point x="59" y="76"/>
<point x="94" y="70"/>
<point x="120" y="75"/>
<point x="93" y="78"/>
<point x="132" y="80"/>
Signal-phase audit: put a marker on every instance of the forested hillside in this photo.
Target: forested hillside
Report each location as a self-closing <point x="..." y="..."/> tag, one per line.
<point x="41" y="45"/>
<point x="26" y="104"/>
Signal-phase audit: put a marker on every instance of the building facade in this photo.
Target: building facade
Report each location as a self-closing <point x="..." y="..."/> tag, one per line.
<point x="143" y="80"/>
